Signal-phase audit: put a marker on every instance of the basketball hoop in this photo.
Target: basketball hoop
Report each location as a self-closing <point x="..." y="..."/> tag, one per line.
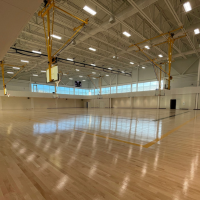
<point x="8" y="95"/>
<point x="56" y="96"/>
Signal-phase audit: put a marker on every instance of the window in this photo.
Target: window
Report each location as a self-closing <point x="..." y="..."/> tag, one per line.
<point x="113" y="90"/>
<point x="134" y="87"/>
<point x="140" y="87"/>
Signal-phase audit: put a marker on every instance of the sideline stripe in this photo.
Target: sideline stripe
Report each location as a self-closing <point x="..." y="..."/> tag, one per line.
<point x="146" y="145"/>
<point x="111" y="138"/>
<point x="166" y="134"/>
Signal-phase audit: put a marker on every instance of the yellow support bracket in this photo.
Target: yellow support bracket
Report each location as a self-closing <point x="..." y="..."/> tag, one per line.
<point x="46" y="12"/>
<point x="3" y="75"/>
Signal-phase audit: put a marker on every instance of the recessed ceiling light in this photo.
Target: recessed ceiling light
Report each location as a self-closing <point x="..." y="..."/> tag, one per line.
<point x="94" y="78"/>
<point x="115" y="57"/>
<point x="160" y="55"/>
<point x="147" y="47"/>
<point x="83" y="80"/>
<point x="16" y="68"/>
<point x="89" y="10"/>
<point x="110" y="68"/>
<point x="107" y="75"/>
<point x="143" y="67"/>
<point x="196" y="31"/>
<point x="35" y="75"/>
<point x="131" y="63"/>
<point x="77" y="70"/>
<point x="43" y="71"/>
<point x="80" y="76"/>
<point x="71" y="78"/>
<point x="57" y="37"/>
<point x="10" y="72"/>
<point x="94" y="72"/>
<point x="70" y="59"/>
<point x="187" y="6"/>
<point x="26" y="61"/>
<point x="123" y="71"/>
<point x="92" y="49"/>
<point x="93" y="64"/>
<point x="126" y="34"/>
<point x="38" y="52"/>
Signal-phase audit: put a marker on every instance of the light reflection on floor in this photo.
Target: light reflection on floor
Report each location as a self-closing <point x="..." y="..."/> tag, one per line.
<point x="126" y="129"/>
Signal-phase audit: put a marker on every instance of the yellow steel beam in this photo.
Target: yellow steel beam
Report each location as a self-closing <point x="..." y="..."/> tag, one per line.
<point x="2" y="70"/>
<point x="46" y="12"/>
<point x="80" y="27"/>
<point x="157" y="36"/>
<point x="49" y="44"/>
<point x="170" y="43"/>
<point x="151" y="60"/>
<point x="86" y="21"/>
<point x="14" y="75"/>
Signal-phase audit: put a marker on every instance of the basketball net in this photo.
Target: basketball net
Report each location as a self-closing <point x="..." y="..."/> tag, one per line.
<point x="8" y="95"/>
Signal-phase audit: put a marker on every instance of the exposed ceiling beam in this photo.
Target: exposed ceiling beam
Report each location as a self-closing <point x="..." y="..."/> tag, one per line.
<point x="152" y="23"/>
<point x="171" y="8"/>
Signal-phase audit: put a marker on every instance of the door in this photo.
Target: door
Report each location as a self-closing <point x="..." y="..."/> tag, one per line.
<point x="86" y="104"/>
<point x="173" y="104"/>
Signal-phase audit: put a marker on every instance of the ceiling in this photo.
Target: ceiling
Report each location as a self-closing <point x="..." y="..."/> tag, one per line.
<point x="142" y="19"/>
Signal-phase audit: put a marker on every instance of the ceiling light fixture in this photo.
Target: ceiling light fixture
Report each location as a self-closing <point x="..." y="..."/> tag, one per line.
<point x="160" y="55"/>
<point x="196" y="31"/>
<point x="16" y="67"/>
<point x="94" y="72"/>
<point x="143" y="67"/>
<point x="57" y="37"/>
<point x="89" y="10"/>
<point x="70" y="59"/>
<point x="10" y="72"/>
<point x="93" y="64"/>
<point x="110" y="68"/>
<point x="94" y="78"/>
<point x="83" y="80"/>
<point x="43" y="71"/>
<point x="123" y="72"/>
<point x="71" y="78"/>
<point x="132" y="63"/>
<point x="25" y="61"/>
<point x="77" y="70"/>
<point x="187" y="6"/>
<point x="35" y="75"/>
<point x="92" y="49"/>
<point x="38" y="52"/>
<point x="80" y="76"/>
<point x="107" y="75"/>
<point x="115" y="57"/>
<point x="126" y="34"/>
<point x="147" y="47"/>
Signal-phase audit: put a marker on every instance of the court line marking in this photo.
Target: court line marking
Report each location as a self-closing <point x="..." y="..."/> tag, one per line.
<point x="101" y="136"/>
<point x="168" y="133"/>
<point x="145" y="145"/>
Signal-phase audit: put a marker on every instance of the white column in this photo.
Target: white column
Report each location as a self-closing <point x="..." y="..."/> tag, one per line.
<point x="137" y="77"/>
<point x="198" y="74"/>
<point x="116" y="82"/>
<point x="30" y="85"/>
<point x="197" y="95"/>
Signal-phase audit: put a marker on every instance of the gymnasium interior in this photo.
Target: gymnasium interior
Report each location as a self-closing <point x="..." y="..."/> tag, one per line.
<point x="99" y="99"/>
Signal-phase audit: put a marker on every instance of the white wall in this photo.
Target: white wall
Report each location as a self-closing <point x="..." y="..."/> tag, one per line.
<point x="14" y="103"/>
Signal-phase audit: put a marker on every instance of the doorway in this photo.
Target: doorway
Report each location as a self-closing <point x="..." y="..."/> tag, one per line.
<point x="173" y="104"/>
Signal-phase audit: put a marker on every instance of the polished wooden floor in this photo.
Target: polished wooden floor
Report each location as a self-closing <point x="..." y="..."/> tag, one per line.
<point x="99" y="154"/>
